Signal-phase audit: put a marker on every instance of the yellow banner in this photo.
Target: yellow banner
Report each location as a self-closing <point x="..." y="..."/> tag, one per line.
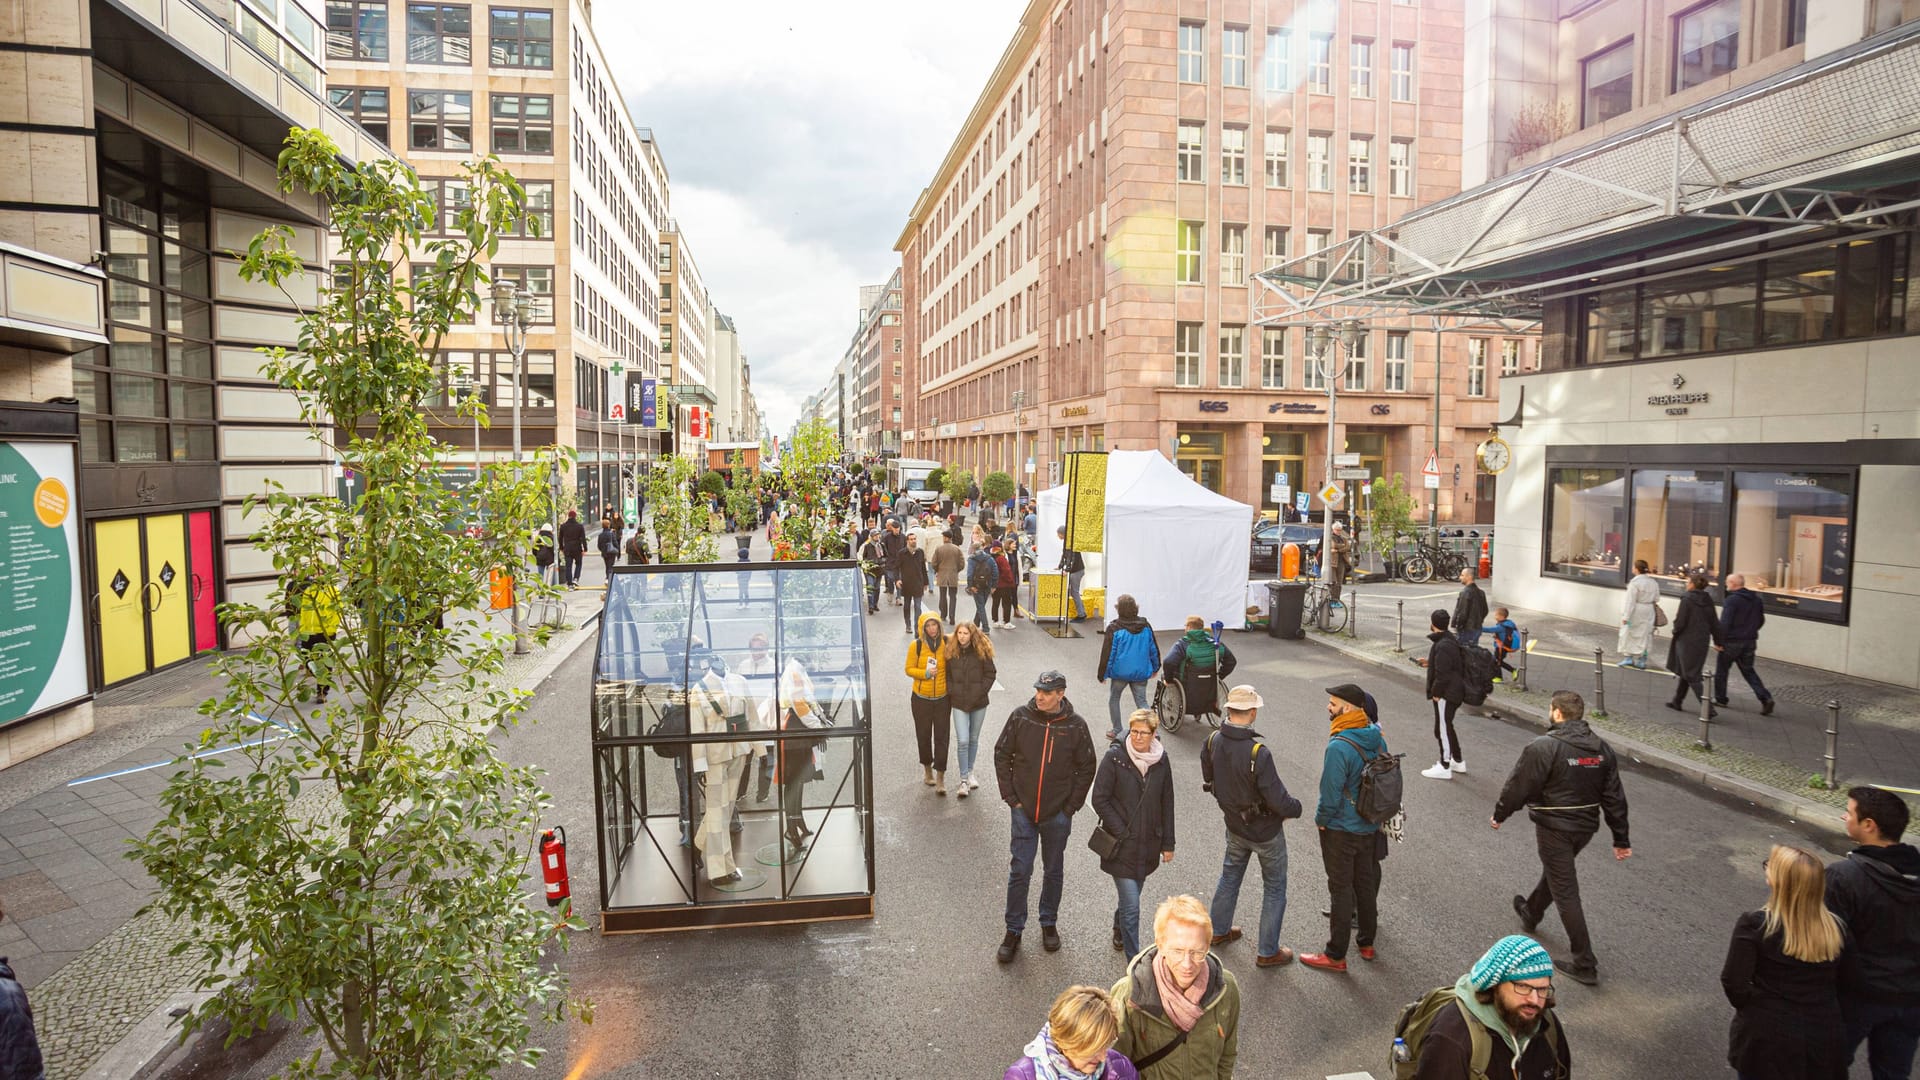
<point x="1086" y="501"/>
<point x="1050" y="595"/>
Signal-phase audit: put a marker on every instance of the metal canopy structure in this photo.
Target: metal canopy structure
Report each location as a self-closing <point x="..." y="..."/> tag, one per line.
<point x="1831" y="144"/>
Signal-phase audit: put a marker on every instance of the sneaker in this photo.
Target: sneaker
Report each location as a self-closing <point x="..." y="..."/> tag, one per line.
<point x="1230" y="936"/>
<point x="1459" y="768"/>
<point x="1324" y="962"/>
<point x="960" y="789"/>
<point x="1050" y="938"/>
<point x="1628" y="662"/>
<point x="1438" y="772"/>
<point x="1766" y="707"/>
<point x="1119" y="940"/>
<point x="1527" y="921"/>
<point x="1369" y="953"/>
<point x="1008" y="946"/>
<point x="1583" y="976"/>
<point x="1278" y="959"/>
<point x="1498" y="680"/>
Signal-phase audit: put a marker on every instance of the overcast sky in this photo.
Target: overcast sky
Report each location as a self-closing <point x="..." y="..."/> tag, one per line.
<point x="797" y="137"/>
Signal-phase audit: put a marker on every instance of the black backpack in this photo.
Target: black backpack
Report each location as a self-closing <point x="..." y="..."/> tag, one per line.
<point x="1479" y="668"/>
<point x="1378" y="798"/>
<point x="672" y="722"/>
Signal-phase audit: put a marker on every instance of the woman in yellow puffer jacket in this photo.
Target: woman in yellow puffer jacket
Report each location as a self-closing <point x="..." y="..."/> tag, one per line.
<point x="932" y="719"/>
<point x="319" y="621"/>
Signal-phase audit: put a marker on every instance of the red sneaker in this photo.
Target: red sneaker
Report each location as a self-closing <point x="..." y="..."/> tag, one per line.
<point x="1324" y="962"/>
<point x="1367" y="953"/>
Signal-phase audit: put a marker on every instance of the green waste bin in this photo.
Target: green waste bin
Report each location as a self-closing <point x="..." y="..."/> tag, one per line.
<point x="1286" y="601"/>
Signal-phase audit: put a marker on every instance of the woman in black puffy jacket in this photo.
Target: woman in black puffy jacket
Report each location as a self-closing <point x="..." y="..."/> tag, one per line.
<point x="1133" y="797"/>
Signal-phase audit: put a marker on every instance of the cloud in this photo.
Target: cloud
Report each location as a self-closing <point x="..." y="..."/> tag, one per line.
<point x="797" y="137"/>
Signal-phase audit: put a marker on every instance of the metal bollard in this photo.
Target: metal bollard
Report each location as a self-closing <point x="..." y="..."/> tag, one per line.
<point x="1599" y="683"/>
<point x="1400" y="626"/>
<point x="1521" y="675"/>
<point x="1353" y="614"/>
<point x="1833" y="744"/>
<point x="1706" y="707"/>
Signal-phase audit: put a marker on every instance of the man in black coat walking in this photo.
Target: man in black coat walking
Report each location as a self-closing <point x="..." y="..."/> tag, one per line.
<point x="1741" y="618"/>
<point x="1875" y="890"/>
<point x="1240" y="773"/>
<point x="573" y="545"/>
<point x="1446" y="666"/>
<point x="1045" y="763"/>
<point x="1567" y="779"/>
<point x="1469" y="609"/>
<point x="19" y="1048"/>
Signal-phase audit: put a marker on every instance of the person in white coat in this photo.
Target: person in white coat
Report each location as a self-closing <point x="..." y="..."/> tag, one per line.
<point x="713" y="698"/>
<point x="1637" y="617"/>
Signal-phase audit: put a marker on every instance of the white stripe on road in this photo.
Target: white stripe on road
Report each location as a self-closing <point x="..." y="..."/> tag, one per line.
<point x="288" y="734"/>
<point x="1352" y="1076"/>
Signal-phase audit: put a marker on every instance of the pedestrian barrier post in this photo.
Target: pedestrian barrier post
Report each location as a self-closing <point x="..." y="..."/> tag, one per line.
<point x="1833" y="744"/>
<point x="1521" y="675"/>
<point x="1706" y="707"/>
<point x="1353" y="613"/>
<point x="1400" y="627"/>
<point x="1599" y="683"/>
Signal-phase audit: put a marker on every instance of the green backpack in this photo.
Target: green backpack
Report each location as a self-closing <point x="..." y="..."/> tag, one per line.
<point x="1417" y="1018"/>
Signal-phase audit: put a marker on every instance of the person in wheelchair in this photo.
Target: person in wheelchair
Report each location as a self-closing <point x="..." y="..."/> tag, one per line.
<point x="1195" y="665"/>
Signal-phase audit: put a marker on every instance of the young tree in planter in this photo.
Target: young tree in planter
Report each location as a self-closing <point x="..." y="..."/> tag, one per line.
<point x="682" y="526"/>
<point x="743" y="500"/>
<point x="1393" y="510"/>
<point x="958" y="483"/>
<point x="807" y="530"/>
<point x="997" y="487"/>
<point x="363" y="873"/>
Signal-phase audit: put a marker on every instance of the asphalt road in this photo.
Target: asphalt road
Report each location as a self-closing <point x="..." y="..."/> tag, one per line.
<point x="916" y="990"/>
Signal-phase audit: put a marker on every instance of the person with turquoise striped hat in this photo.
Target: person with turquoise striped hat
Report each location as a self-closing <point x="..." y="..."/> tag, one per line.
<point x="1497" y="1020"/>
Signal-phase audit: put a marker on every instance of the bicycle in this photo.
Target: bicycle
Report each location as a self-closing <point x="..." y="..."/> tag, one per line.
<point x="1430" y="559"/>
<point x="1321" y="612"/>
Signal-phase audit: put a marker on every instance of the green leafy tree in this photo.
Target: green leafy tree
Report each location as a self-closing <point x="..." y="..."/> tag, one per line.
<point x="1393" y="510"/>
<point x="957" y="484"/>
<point x="937" y="479"/>
<point x="682" y="526"/>
<point x="997" y="487"/>
<point x="711" y="483"/>
<point x="743" y="500"/>
<point x="363" y="875"/>
<point x="805" y="469"/>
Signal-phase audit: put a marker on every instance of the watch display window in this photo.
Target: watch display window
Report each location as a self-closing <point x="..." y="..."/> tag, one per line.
<point x="732" y="746"/>
<point x="1679" y="524"/>
<point x="1793" y="539"/>
<point x="1586" y="523"/>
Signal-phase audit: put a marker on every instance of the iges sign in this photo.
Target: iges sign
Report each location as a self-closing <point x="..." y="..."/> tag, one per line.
<point x="1213" y="406"/>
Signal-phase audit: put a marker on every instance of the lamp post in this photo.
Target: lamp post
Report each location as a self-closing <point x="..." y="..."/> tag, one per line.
<point x="1325" y="343"/>
<point x="1019" y="436"/>
<point x="513" y="311"/>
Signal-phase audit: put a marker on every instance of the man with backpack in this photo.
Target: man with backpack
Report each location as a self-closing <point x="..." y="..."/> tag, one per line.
<point x="1129" y="656"/>
<point x="1240" y="773"/>
<point x="1497" y="1020"/>
<point x="1567" y="779"/>
<point x="1359" y="790"/>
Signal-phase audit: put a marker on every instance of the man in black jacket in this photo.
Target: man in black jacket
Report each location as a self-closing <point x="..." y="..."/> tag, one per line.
<point x="1567" y="779"/>
<point x="19" y="1049"/>
<point x="1875" y="890"/>
<point x="1446" y="668"/>
<point x="1469" y="609"/>
<point x="1045" y="762"/>
<point x="573" y="545"/>
<point x="1075" y="567"/>
<point x="1240" y="773"/>
<point x="893" y="543"/>
<point x="1740" y="621"/>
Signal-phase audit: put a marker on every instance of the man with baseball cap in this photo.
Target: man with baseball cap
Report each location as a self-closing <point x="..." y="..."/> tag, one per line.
<point x="1497" y="1020"/>
<point x="1239" y="770"/>
<point x="1350" y="845"/>
<point x="1045" y="763"/>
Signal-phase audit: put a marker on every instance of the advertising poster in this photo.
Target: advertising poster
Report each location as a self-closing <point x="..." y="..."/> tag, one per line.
<point x="1086" y="501"/>
<point x="43" y="650"/>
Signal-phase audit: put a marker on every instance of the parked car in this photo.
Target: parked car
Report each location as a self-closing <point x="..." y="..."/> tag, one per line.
<point x="1263" y="554"/>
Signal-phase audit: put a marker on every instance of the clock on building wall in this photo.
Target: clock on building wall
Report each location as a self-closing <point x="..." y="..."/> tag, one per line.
<point x="1494" y="455"/>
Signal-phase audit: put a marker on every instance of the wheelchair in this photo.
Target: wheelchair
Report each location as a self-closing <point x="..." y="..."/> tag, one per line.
<point x="1195" y="693"/>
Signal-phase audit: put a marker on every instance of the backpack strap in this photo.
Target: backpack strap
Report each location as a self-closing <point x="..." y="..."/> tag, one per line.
<point x="1364" y="762"/>
<point x="1479" y="1043"/>
<point x="1142" y="1064"/>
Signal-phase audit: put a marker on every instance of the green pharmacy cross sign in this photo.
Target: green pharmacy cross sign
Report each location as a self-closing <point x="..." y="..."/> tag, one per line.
<point x="617" y="369"/>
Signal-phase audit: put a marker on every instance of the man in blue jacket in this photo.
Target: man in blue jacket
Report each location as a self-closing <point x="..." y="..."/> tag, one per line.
<point x="1129" y="656"/>
<point x="1740" y="621"/>
<point x="1348" y="842"/>
<point x="1239" y="770"/>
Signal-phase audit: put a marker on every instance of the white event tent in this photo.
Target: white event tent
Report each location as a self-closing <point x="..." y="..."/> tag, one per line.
<point x="1175" y="547"/>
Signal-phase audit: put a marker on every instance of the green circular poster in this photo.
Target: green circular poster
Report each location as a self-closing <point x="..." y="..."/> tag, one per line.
<point x="42" y="650"/>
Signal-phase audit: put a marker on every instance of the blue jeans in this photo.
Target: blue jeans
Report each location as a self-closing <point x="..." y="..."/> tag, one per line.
<point x="980" y="600"/>
<point x="1050" y="836"/>
<point x="1273" y="892"/>
<point x="966" y="732"/>
<point x="1126" y="916"/>
<point x="1114" y="686"/>
<point x="1073" y="595"/>
<point x="1891" y="1032"/>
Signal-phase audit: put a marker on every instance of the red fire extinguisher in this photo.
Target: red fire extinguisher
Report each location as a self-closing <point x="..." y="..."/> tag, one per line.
<point x="553" y="865"/>
<point x="1486" y="560"/>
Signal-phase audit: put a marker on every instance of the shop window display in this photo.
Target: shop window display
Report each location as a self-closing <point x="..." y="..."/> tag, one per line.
<point x="1793" y="538"/>
<point x="1679" y="524"/>
<point x="1586" y="523"/>
<point x="731" y="727"/>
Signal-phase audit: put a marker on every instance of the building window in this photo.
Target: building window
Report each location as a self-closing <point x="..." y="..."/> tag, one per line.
<point x="1396" y="369"/>
<point x="1186" y="354"/>
<point x="1360" y="165"/>
<point x="1193" y="52"/>
<point x="1706" y="42"/>
<point x="1320" y="63"/>
<point x="1233" y="254"/>
<point x="1354" y="266"/>
<point x="1679" y="517"/>
<point x="1360" y="68"/>
<point x="1885" y="15"/>
<point x="1606" y="84"/>
<point x="522" y="123"/>
<point x="439" y="34"/>
<point x="1400" y="168"/>
<point x="356" y="29"/>
<point x="1400" y="83"/>
<point x="440" y="120"/>
<point x="1312" y="375"/>
<point x="1233" y="357"/>
<point x="1318" y="241"/>
<point x="1273" y="358"/>
<point x="1477" y="367"/>
<point x="1792" y="539"/>
<point x="367" y="105"/>
<point x="1190" y="156"/>
<point x="1586" y="523"/>
<point x="535" y="282"/>
<point x="1187" y="252"/>
<point x="1509" y="357"/>
<point x="1357" y="358"/>
<point x="520" y="38"/>
<point x="1796" y="21"/>
<point x="1319" y="162"/>
<point x="538" y="220"/>
<point x="1233" y="56"/>
<point x="449" y="196"/>
<point x="1276" y="151"/>
<point x="1274" y="249"/>
<point x="1233" y="154"/>
<point x="1279" y="62"/>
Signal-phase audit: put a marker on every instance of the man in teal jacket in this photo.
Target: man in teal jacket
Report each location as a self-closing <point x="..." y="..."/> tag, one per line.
<point x="1347" y="840"/>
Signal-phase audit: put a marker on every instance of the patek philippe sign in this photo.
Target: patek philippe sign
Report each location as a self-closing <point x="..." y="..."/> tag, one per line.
<point x="1678" y="402"/>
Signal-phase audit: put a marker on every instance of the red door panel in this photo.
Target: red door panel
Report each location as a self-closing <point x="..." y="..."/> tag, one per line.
<point x="201" y="590"/>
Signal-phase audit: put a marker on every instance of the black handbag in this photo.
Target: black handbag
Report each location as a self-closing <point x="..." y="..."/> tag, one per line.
<point x="1103" y="843"/>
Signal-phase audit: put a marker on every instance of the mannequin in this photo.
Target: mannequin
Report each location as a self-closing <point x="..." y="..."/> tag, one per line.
<point x="719" y="765"/>
<point x="756" y="672"/>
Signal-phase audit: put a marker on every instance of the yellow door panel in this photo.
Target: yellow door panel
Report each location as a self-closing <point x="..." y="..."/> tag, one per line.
<point x="123" y="620"/>
<point x="167" y="597"/>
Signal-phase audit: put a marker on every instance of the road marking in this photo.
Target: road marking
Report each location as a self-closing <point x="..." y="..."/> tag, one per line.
<point x="1903" y="790"/>
<point x="262" y="741"/>
<point x="1352" y="1076"/>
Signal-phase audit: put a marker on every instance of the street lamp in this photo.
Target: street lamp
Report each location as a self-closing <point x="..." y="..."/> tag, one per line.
<point x="1019" y="436"/>
<point x="514" y="311"/>
<point x="1323" y="341"/>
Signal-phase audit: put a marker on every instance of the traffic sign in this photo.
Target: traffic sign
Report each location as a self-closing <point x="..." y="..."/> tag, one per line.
<point x="1432" y="467"/>
<point x="1281" y="479"/>
<point x="1433" y="481"/>
<point x="1331" y="495"/>
<point x="1281" y="493"/>
<point x="1346" y="459"/>
<point x="1351" y="474"/>
<point x="1300" y="502"/>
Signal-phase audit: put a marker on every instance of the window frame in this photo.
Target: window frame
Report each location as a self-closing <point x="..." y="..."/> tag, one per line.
<point x="1319" y="63"/>
<point x="1399" y="77"/>
<point x="1191" y="52"/>
<point x="357" y="32"/>
<point x="1320" y="166"/>
<point x="1190" y="156"/>
<point x="440" y="33"/>
<point x="440" y="122"/>
<point x="1677" y="33"/>
<point x="1189" y="246"/>
<point x="1233" y="159"/>
<point x="1187" y="354"/>
<point x="1233" y="66"/>
<point x="1400" y="172"/>
<point x="1233" y="256"/>
<point x="519" y="38"/>
<point x="1276" y="64"/>
<point x="1360" y="164"/>
<point x="1360" y="68"/>
<point x="1273" y="358"/>
<point x="1398" y="359"/>
<point x="351" y="104"/>
<point x="1276" y="151"/>
<point x="1233" y="356"/>
<point x="1476" y="368"/>
<point x="519" y="124"/>
<point x="1587" y="85"/>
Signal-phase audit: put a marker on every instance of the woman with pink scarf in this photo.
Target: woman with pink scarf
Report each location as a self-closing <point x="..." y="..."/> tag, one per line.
<point x="1133" y="796"/>
<point x="1179" y="1005"/>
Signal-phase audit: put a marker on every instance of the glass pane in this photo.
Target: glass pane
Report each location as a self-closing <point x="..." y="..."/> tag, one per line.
<point x="190" y="401"/>
<point x="191" y="318"/>
<point x="1792" y="538"/>
<point x="1679" y="524"/>
<point x="1586" y="523"/>
<point x="184" y="268"/>
<point x="1610" y="326"/>
<point x="130" y="253"/>
<point x="84" y="382"/>
<point x="138" y="442"/>
<point x="1798" y="301"/>
<point x="136" y="395"/>
<point x="189" y="358"/>
<point x="134" y="351"/>
<point x="96" y="441"/>
<point x="192" y="443"/>
<point x="1712" y="311"/>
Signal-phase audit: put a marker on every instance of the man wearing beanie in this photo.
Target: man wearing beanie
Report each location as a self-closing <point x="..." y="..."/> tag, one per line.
<point x="1349" y="843"/>
<point x="1446" y="668"/>
<point x="1505" y="1005"/>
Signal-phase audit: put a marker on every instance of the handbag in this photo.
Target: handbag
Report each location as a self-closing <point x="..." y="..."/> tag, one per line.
<point x="1103" y="843"/>
<point x="1659" y="616"/>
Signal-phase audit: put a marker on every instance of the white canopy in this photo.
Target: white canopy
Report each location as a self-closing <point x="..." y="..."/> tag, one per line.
<point x="1175" y="547"/>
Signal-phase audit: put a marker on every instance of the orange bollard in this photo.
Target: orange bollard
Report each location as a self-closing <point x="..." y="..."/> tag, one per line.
<point x="1486" y="560"/>
<point x="1289" y="561"/>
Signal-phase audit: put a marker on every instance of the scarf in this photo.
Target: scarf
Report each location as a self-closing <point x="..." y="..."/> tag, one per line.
<point x="1182" y="1006"/>
<point x="1050" y="1064"/>
<point x="1349" y="720"/>
<point x="1145" y="761"/>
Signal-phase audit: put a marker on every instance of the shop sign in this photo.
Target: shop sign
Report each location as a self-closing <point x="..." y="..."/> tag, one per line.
<point x="1073" y="410"/>
<point x="1213" y="406"/>
<point x="43" y="653"/>
<point x="1380" y="410"/>
<point x="1295" y="407"/>
<point x="1676" y="403"/>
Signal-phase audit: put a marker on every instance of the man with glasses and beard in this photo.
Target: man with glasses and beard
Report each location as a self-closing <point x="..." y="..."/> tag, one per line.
<point x="1497" y="1020"/>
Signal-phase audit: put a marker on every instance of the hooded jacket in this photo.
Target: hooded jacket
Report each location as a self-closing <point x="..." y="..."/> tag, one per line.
<point x="1447" y="1050"/>
<point x="19" y="1050"/>
<point x="1045" y="764"/>
<point x="1213" y="1045"/>
<point x="1876" y="892"/>
<point x="982" y="574"/>
<point x="919" y="653"/>
<point x="1137" y="809"/>
<point x="969" y="678"/>
<point x="1197" y="647"/>
<point x="1340" y="779"/>
<point x="1129" y="652"/>
<point x="1446" y="668"/>
<point x="1567" y="779"/>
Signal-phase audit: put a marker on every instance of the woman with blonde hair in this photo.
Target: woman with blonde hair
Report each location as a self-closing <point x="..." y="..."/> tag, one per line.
<point x="1782" y="978"/>
<point x="1076" y="1043"/>
<point x="970" y="673"/>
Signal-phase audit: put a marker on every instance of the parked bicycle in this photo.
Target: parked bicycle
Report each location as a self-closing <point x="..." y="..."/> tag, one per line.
<point x="1320" y="610"/>
<point x="1430" y="560"/>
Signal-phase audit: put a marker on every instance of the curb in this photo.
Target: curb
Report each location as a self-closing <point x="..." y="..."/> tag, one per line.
<point x="1795" y="810"/>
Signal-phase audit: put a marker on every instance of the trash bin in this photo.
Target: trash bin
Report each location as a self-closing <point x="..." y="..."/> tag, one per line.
<point x="1286" y="600"/>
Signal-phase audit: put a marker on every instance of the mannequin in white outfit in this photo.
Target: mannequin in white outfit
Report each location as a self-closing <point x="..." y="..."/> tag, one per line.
<point x="719" y="765"/>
